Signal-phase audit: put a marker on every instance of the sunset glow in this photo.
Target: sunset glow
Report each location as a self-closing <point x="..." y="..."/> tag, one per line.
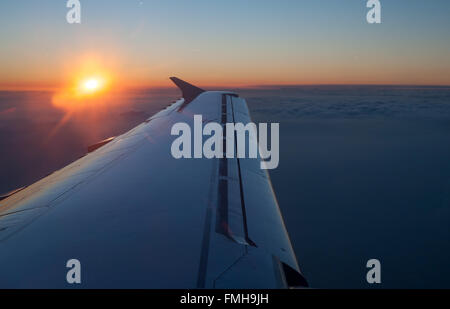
<point x="139" y="43"/>
<point x="87" y="88"/>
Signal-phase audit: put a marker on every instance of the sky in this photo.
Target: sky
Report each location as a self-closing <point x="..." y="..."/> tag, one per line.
<point x="233" y="43"/>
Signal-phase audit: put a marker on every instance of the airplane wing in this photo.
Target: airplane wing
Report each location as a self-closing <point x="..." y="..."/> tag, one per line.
<point x="135" y="217"/>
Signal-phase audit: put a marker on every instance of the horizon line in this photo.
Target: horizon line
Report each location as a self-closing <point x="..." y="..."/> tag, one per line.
<point x="216" y="87"/>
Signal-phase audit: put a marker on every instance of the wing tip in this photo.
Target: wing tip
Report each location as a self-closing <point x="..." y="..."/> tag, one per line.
<point x="190" y="92"/>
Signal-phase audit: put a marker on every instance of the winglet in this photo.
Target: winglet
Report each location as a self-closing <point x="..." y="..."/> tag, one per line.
<point x="190" y="92"/>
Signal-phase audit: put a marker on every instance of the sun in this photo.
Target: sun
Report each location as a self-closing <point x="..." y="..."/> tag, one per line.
<point x="86" y="88"/>
<point x="91" y="85"/>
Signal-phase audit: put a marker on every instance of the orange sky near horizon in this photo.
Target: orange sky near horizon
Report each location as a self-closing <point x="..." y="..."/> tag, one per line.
<point x="131" y="69"/>
<point x="127" y="73"/>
